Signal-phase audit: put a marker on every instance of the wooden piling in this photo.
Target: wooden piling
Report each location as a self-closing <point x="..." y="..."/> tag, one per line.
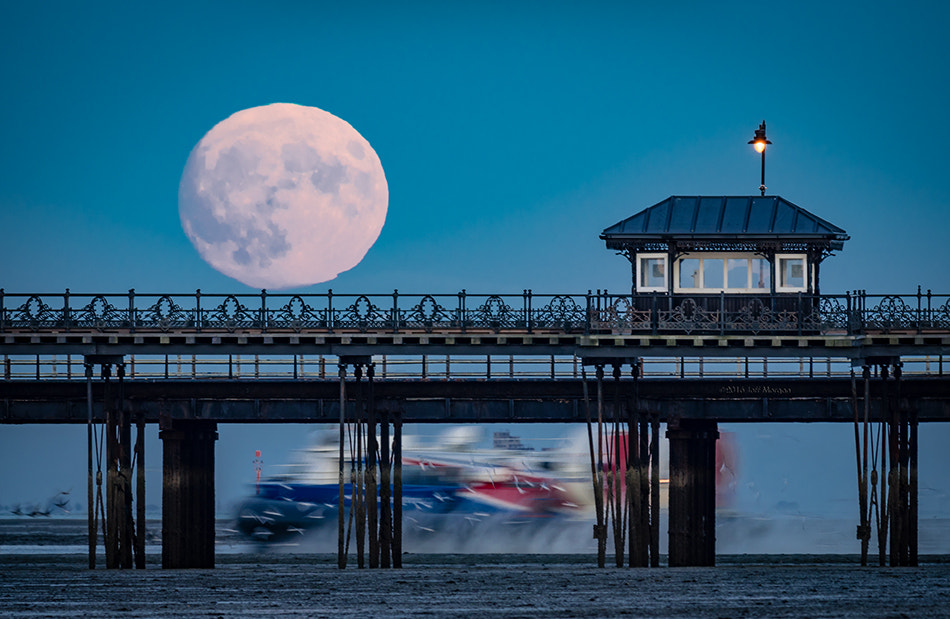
<point x="112" y="462"/>
<point x="632" y="488"/>
<point x="893" y="483"/>
<point x="385" y="496"/>
<point x="140" y="529"/>
<point x="618" y="475"/>
<point x="397" y="491"/>
<point x="863" y="529"/>
<point x="341" y="519"/>
<point x="882" y="484"/>
<point x="864" y="532"/>
<point x="601" y="531"/>
<point x="372" y="466"/>
<point x="913" y="560"/>
<point x="124" y="478"/>
<point x="693" y="493"/>
<point x="188" y="493"/>
<point x="598" y="490"/>
<point x="644" y="490"/>
<point x="90" y="490"/>
<point x="655" y="493"/>
<point x="904" y="484"/>
<point x="357" y="501"/>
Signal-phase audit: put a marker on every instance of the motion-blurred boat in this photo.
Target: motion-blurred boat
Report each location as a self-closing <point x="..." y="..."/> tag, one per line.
<point x="449" y="481"/>
<point x="448" y="478"/>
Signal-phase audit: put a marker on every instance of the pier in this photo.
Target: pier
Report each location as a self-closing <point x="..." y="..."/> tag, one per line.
<point x="724" y="322"/>
<point x="191" y="375"/>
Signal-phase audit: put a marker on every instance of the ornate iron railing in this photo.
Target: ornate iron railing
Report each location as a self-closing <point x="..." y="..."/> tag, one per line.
<point x="851" y="313"/>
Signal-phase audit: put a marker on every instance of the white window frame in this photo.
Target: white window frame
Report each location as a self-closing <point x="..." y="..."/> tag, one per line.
<point x="641" y="258"/>
<point x="806" y="272"/>
<point x="725" y="257"/>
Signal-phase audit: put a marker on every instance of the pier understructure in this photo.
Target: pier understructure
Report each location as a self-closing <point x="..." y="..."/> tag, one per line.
<point x="618" y="364"/>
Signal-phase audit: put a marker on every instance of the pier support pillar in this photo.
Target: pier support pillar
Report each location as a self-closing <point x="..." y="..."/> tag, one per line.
<point x="112" y="501"/>
<point x="188" y="493"/>
<point x="115" y="508"/>
<point x="140" y="491"/>
<point x="372" y="469"/>
<point x="397" y="491"/>
<point x="385" y="496"/>
<point x="124" y="516"/>
<point x="902" y="477"/>
<point x="692" y="493"/>
<point x="638" y="478"/>
<point x="654" y="492"/>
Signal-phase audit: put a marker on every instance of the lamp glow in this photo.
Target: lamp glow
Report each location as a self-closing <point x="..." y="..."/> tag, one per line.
<point x="759" y="142"/>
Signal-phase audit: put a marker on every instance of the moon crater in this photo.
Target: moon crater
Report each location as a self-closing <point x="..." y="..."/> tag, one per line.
<point x="283" y="195"/>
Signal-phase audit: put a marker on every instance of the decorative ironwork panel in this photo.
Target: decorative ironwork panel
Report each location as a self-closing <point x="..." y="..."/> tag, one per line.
<point x="426" y="315"/>
<point x="563" y="312"/>
<point x="687" y="317"/>
<point x="621" y="317"/>
<point x="940" y="316"/>
<point x="164" y="315"/>
<point x="99" y="314"/>
<point x="755" y="317"/>
<point x="230" y="315"/>
<point x="297" y="314"/>
<point x="34" y="314"/>
<point x="363" y="315"/>
<point x="494" y="314"/>
<point x="832" y="315"/>
<point x="890" y="314"/>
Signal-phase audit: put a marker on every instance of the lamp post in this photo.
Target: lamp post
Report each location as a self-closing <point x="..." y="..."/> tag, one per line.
<point x="759" y="142"/>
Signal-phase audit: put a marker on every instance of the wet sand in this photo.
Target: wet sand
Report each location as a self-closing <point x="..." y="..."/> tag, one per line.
<point x="285" y="585"/>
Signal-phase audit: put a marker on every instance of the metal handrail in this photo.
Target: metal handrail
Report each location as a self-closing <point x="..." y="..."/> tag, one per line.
<point x="852" y="313"/>
<point x="442" y="367"/>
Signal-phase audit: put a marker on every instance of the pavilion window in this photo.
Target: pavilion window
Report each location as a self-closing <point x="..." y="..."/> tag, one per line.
<point x="761" y="274"/>
<point x="690" y="271"/>
<point x="792" y="272"/>
<point x="711" y="273"/>
<point x="737" y="273"/>
<point x="652" y="273"/>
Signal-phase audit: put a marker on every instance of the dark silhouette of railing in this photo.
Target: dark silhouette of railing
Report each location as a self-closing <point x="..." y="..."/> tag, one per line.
<point x="852" y="313"/>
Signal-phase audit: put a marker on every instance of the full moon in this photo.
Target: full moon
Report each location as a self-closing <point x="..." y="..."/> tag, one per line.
<point x="282" y="195"/>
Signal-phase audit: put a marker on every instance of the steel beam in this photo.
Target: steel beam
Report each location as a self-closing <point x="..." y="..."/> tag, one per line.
<point x="600" y="345"/>
<point x="461" y="401"/>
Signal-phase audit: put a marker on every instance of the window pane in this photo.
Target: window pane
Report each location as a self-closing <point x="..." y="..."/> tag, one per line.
<point x="738" y="272"/>
<point x="793" y="273"/>
<point x="652" y="273"/>
<point x="761" y="274"/>
<point x="689" y="273"/>
<point x="712" y="273"/>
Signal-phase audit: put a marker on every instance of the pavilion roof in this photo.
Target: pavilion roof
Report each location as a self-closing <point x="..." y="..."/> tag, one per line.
<point x="724" y="217"/>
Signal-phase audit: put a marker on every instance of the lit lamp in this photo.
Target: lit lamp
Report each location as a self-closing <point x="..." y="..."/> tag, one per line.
<point x="759" y="142"/>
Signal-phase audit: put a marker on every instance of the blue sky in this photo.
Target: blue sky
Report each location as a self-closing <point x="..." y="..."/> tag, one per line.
<point x="511" y="133"/>
<point x="510" y="137"/>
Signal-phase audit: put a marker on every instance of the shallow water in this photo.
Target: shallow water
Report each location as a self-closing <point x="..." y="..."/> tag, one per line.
<point x="44" y="572"/>
<point x="474" y="585"/>
<point x="735" y="534"/>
